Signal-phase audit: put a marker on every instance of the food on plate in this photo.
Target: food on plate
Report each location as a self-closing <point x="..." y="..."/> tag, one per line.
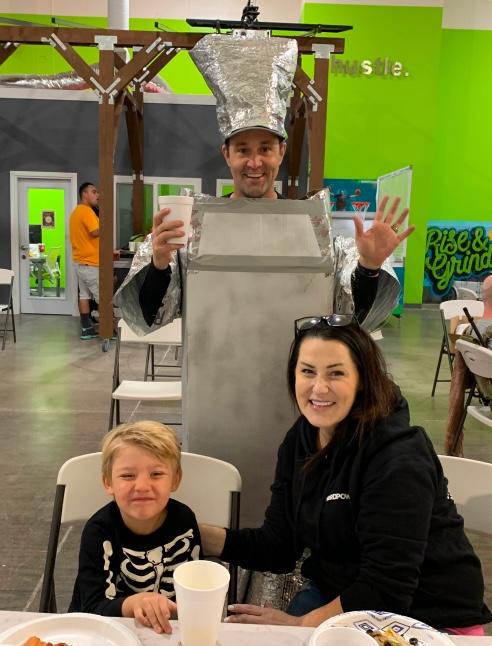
<point x="388" y="637"/>
<point x="35" y="641"/>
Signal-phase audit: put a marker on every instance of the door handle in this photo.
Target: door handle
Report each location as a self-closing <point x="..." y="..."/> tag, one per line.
<point x="24" y="247"/>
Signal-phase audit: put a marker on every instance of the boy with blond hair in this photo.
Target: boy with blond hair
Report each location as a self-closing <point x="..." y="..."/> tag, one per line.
<point x="130" y="548"/>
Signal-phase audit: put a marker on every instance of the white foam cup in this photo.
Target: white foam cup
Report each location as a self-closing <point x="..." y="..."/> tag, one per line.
<point x="336" y="635"/>
<point x="181" y="207"/>
<point x="201" y="587"/>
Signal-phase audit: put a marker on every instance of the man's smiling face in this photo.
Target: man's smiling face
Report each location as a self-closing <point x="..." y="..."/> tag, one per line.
<point x="254" y="157"/>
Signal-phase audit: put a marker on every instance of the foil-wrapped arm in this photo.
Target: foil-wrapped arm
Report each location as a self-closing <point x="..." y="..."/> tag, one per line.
<point x="388" y="288"/>
<point x="127" y="298"/>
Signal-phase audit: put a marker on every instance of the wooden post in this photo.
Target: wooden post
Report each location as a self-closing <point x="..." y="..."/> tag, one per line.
<point x="297" y="124"/>
<point x="318" y="123"/>
<point x="134" y="124"/>
<point x="106" y="176"/>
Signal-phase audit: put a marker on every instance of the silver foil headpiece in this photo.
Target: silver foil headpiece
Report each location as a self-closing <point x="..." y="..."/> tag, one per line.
<point x="251" y="77"/>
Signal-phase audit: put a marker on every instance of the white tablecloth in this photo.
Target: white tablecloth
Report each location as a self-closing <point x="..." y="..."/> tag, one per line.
<point x="229" y="635"/>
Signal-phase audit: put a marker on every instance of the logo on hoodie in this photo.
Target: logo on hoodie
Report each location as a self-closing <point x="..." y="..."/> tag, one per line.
<point x="337" y="496"/>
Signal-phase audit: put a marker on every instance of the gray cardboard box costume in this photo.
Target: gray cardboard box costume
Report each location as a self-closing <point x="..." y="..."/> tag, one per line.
<point x="251" y="268"/>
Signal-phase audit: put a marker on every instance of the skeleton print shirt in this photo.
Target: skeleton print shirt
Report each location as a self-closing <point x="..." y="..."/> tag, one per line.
<point x="115" y="563"/>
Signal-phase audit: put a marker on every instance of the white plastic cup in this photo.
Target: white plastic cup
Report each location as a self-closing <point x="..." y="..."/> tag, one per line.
<point x="201" y="588"/>
<point x="336" y="635"/>
<point x="181" y="207"/>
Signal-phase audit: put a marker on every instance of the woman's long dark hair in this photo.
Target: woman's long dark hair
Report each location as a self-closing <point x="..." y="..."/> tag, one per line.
<point x="377" y="394"/>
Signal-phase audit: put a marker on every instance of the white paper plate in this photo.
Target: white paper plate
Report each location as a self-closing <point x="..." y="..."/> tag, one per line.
<point x="75" y="629"/>
<point x="405" y="626"/>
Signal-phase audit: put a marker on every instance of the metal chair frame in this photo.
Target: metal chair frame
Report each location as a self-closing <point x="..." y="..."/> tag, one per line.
<point x="164" y="391"/>
<point x="7" y="278"/>
<point x="450" y="310"/>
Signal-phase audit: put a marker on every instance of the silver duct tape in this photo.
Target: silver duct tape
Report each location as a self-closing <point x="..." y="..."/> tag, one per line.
<point x="259" y="211"/>
<point x="127" y="297"/>
<point x="346" y="258"/>
<point x="251" y="78"/>
<point x="67" y="81"/>
<point x="342" y="250"/>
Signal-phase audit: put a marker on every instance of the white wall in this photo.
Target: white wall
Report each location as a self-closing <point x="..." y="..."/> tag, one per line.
<point x="457" y="14"/>
<point x="276" y="10"/>
<point x="467" y="14"/>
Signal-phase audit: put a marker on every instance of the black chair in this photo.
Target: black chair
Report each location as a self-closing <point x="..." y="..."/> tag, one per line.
<point x="7" y="278"/>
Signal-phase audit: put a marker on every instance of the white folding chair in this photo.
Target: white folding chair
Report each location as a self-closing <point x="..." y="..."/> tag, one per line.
<point x="79" y="494"/>
<point x="451" y="315"/>
<point x="479" y="362"/>
<point x="131" y="390"/>
<point x="470" y="485"/>
<point x="7" y="278"/>
<point x="464" y="293"/>
<point x="167" y="335"/>
<point x="210" y="487"/>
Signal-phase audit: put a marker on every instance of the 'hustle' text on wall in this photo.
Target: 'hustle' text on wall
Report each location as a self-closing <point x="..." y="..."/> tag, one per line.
<point x="367" y="67"/>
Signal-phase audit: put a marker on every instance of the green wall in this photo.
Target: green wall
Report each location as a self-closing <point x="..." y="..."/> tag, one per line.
<point x="49" y="199"/>
<point x="377" y="124"/>
<point x="463" y="154"/>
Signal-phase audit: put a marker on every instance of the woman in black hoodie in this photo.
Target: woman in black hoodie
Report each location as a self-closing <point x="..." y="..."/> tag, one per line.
<point x="363" y="491"/>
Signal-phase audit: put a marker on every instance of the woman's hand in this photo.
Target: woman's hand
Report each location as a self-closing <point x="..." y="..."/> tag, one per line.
<point x="378" y="243"/>
<point x="246" y="613"/>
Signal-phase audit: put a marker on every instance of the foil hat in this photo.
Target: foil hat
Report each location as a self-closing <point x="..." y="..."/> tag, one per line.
<point x="250" y="76"/>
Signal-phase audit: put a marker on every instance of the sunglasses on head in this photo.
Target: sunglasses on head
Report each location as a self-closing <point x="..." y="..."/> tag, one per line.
<point x="332" y="320"/>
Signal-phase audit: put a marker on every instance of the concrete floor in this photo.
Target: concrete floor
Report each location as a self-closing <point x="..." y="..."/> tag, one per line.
<point x="54" y="404"/>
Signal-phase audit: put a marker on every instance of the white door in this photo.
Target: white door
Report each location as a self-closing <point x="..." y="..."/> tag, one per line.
<point x="46" y="282"/>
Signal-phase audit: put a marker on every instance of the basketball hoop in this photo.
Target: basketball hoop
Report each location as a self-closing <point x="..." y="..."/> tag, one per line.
<point x="360" y="207"/>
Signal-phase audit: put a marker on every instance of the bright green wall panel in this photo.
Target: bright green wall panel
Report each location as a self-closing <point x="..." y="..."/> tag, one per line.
<point x="49" y="199"/>
<point x="43" y="59"/>
<point x="181" y="73"/>
<point x="463" y="154"/>
<point x="378" y="124"/>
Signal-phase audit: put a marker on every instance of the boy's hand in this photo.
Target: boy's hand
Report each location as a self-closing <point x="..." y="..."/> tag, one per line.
<point x="151" y="609"/>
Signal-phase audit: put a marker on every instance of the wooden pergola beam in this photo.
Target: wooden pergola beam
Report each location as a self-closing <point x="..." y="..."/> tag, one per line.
<point x="317" y="123"/>
<point x="86" y="36"/>
<point x="106" y="199"/>
<point x="6" y="51"/>
<point x="156" y="49"/>
<point x="158" y="64"/>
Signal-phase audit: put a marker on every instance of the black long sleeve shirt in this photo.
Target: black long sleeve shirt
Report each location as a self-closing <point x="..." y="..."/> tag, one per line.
<point x="381" y="527"/>
<point x="115" y="563"/>
<point x="157" y="281"/>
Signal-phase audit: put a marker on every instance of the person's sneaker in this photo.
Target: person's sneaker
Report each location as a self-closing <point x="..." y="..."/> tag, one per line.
<point x="88" y="333"/>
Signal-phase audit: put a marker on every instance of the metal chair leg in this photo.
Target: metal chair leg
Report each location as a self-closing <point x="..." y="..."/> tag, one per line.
<point x="459" y="432"/>
<point x="13" y="321"/>
<point x="147" y="355"/>
<point x="111" y="413"/>
<point x="438" y="367"/>
<point x="5" y="329"/>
